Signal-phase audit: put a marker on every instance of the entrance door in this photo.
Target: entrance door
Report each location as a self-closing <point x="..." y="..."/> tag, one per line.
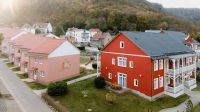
<point x="34" y="75"/>
<point x="122" y="80"/>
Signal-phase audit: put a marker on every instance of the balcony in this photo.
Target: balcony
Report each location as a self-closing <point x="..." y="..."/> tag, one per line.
<point x="176" y="89"/>
<point x="181" y="69"/>
<point x="190" y="84"/>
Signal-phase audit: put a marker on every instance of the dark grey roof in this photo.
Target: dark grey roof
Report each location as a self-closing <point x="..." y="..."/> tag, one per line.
<point x="157" y="44"/>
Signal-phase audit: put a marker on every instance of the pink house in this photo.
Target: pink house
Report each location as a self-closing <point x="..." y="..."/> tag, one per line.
<point x="53" y="60"/>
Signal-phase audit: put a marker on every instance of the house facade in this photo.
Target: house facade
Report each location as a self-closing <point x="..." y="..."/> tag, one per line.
<point x="100" y="40"/>
<point x="79" y="35"/>
<point x="149" y="64"/>
<point x="43" y="27"/>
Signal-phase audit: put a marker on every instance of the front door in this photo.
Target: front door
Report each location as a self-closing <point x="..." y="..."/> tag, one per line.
<point x="34" y="75"/>
<point x="122" y="80"/>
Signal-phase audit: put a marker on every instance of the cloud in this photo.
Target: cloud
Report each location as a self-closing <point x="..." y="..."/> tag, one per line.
<point x="178" y="3"/>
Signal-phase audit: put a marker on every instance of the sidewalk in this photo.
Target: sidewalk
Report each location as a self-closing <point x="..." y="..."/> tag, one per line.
<point x="194" y="97"/>
<point x="81" y="78"/>
<point x="27" y="100"/>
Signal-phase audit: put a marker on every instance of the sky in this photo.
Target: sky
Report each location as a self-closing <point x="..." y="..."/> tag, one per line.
<point x="178" y="3"/>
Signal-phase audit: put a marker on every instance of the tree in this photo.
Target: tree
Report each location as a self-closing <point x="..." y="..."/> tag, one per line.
<point x="37" y="31"/>
<point x="59" y="31"/>
<point x="163" y="25"/>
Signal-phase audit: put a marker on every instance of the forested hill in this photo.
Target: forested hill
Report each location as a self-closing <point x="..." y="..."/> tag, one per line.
<point x="189" y="14"/>
<point x="114" y="15"/>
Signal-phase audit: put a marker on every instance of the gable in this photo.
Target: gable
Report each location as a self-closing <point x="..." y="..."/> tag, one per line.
<point x="64" y="49"/>
<point x="129" y="46"/>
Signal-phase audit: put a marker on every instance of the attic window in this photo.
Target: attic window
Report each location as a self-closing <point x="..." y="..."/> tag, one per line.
<point x="121" y="44"/>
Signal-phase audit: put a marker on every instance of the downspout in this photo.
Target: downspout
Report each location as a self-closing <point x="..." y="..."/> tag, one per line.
<point x="151" y="79"/>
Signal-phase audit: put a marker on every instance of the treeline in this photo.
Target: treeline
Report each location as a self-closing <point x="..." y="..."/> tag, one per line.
<point x="108" y="15"/>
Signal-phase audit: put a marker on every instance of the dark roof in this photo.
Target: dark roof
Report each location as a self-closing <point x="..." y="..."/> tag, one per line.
<point x="158" y="44"/>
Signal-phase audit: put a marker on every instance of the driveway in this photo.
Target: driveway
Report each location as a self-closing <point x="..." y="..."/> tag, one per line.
<point x="23" y="95"/>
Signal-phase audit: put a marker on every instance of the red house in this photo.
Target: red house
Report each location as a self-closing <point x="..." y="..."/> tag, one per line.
<point x="149" y="64"/>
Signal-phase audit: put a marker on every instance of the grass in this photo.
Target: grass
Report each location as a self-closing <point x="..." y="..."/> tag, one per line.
<point x="3" y="56"/>
<point x="35" y="85"/>
<point x="16" y="69"/>
<point x="196" y="108"/>
<point x="84" y="59"/>
<point x="23" y="76"/>
<point x="197" y="88"/>
<point x="128" y="102"/>
<point x="10" y="64"/>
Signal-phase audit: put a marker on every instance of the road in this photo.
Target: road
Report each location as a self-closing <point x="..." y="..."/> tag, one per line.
<point x="23" y="95"/>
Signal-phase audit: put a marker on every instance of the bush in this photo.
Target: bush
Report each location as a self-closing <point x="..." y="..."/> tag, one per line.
<point x="82" y="48"/>
<point x="100" y="82"/>
<point x="57" y="89"/>
<point x="94" y="65"/>
<point x="198" y="77"/>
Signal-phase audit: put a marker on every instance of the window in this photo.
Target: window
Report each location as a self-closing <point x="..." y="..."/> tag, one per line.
<point x="42" y="73"/>
<point x="38" y="60"/>
<point x="155" y="83"/>
<point x="121" y="44"/>
<point x="113" y="61"/>
<point x="110" y="75"/>
<point x="122" y="62"/>
<point x="161" y="81"/>
<point x="155" y="65"/>
<point x="135" y="82"/>
<point x="131" y="64"/>
<point x="160" y="64"/>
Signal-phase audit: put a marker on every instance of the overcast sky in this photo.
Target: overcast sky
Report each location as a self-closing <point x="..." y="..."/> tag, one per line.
<point x="178" y="3"/>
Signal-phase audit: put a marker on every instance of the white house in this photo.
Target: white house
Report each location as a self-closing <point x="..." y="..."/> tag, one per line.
<point x="43" y="27"/>
<point x="28" y="28"/>
<point x="80" y="35"/>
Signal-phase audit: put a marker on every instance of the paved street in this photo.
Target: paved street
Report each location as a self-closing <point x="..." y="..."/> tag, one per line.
<point x="24" y="96"/>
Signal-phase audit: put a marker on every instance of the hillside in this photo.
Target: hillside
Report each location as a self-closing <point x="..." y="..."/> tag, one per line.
<point x="114" y="15"/>
<point x="188" y="14"/>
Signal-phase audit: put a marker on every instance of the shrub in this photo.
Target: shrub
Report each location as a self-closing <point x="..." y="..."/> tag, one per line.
<point x="111" y="97"/>
<point x="82" y="48"/>
<point x="57" y="89"/>
<point x="198" y="77"/>
<point x="189" y="106"/>
<point x="94" y="65"/>
<point x="100" y="82"/>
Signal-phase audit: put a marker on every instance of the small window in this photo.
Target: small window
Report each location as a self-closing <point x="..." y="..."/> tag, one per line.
<point x="155" y="83"/>
<point x="131" y="64"/>
<point x="42" y="73"/>
<point x="160" y="64"/>
<point x="155" y="65"/>
<point x="121" y="44"/>
<point x="135" y="82"/>
<point x="113" y="61"/>
<point x="110" y="75"/>
<point x="161" y="81"/>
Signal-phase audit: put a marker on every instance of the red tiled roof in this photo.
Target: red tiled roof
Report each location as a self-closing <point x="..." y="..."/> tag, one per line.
<point x="189" y="39"/>
<point x="48" y="46"/>
<point x="8" y="33"/>
<point x="94" y="30"/>
<point x="102" y="36"/>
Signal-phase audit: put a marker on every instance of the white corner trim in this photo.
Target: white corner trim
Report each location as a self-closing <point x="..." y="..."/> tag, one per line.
<point x="64" y="49"/>
<point x="126" y="54"/>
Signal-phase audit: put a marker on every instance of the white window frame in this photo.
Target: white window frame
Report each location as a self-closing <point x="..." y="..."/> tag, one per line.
<point x="113" y="61"/>
<point x="161" y="82"/>
<point x="41" y="73"/>
<point x="121" y="45"/>
<point x="136" y="82"/>
<point x="155" y="62"/>
<point x="109" y="75"/>
<point x="131" y="64"/>
<point x="122" y="61"/>
<point x="155" y="83"/>
<point x="40" y="60"/>
<point x="161" y="64"/>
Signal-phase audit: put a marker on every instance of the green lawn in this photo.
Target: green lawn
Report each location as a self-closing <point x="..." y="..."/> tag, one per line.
<point x="23" y="76"/>
<point x="35" y="85"/>
<point x="197" y="108"/>
<point x="10" y="64"/>
<point x="3" y="56"/>
<point x="16" y="69"/>
<point x="197" y="88"/>
<point x="128" y="102"/>
<point x="84" y="59"/>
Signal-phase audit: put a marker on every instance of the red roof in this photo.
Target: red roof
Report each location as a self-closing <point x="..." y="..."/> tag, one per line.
<point x="189" y="39"/>
<point x="94" y="30"/>
<point x="102" y="36"/>
<point x="48" y="46"/>
<point x="8" y="33"/>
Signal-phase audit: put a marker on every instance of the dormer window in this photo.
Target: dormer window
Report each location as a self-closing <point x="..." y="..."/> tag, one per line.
<point x="121" y="44"/>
